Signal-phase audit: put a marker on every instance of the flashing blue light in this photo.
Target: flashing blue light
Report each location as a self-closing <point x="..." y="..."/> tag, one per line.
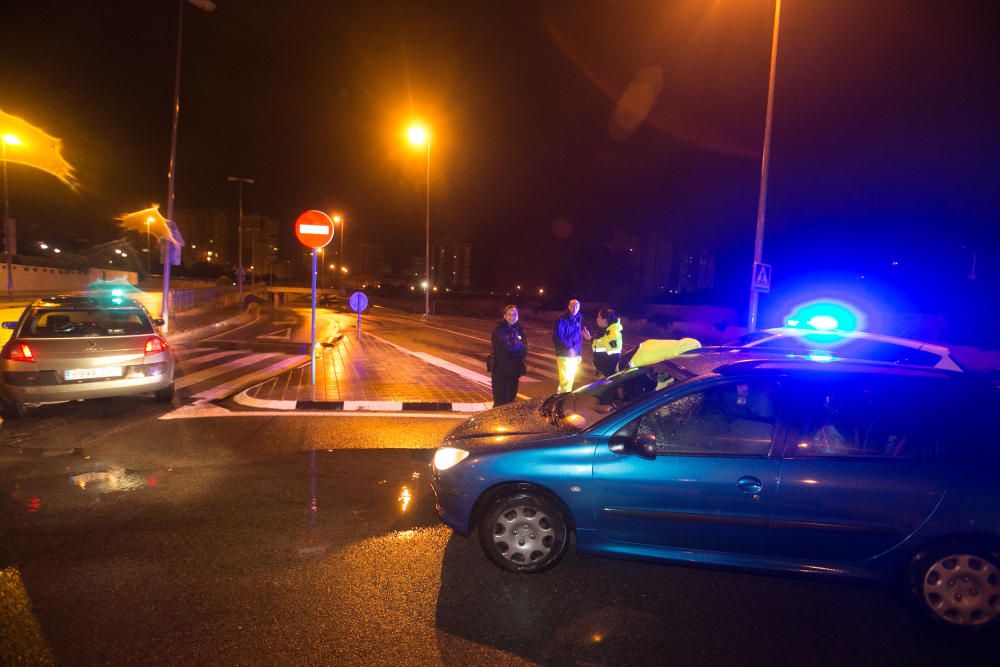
<point x="824" y="323"/>
<point x="117" y="292"/>
<point x="820" y="356"/>
<point x="825" y="316"/>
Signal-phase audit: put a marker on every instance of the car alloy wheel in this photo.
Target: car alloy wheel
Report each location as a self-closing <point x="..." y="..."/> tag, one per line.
<point x="958" y="586"/>
<point x="524" y="532"/>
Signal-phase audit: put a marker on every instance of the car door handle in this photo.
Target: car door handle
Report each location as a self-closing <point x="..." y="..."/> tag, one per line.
<point x="749" y="484"/>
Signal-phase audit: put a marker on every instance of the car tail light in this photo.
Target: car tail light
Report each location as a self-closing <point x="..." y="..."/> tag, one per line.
<point x="155" y="345"/>
<point x="20" y="352"/>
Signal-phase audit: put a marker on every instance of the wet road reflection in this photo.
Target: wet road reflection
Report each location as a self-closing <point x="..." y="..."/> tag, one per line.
<point x="337" y="557"/>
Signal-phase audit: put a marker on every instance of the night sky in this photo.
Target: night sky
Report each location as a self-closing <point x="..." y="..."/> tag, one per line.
<point x="884" y="149"/>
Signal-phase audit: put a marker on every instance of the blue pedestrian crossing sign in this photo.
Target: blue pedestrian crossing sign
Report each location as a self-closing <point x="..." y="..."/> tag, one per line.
<point x="358" y="302"/>
<point x="761" y="277"/>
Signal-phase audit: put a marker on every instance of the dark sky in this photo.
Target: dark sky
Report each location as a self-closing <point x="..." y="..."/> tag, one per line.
<point x="884" y="149"/>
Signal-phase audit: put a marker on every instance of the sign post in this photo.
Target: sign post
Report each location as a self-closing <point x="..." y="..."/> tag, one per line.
<point x="358" y="302"/>
<point x="314" y="229"/>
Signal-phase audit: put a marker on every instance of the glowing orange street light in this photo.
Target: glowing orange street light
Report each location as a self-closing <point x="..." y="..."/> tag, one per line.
<point x="419" y="135"/>
<point x="338" y="219"/>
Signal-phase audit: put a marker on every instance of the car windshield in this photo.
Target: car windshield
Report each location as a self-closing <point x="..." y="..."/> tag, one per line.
<point x="589" y="404"/>
<point x="72" y="322"/>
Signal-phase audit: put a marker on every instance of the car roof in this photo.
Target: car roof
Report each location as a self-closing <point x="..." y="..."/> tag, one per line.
<point x="732" y="361"/>
<point x="857" y="335"/>
<point x="87" y="300"/>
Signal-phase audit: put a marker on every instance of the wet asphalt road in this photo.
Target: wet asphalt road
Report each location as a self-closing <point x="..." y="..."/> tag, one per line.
<point x="138" y="541"/>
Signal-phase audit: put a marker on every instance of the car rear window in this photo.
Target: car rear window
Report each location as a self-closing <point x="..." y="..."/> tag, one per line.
<point x="73" y="322"/>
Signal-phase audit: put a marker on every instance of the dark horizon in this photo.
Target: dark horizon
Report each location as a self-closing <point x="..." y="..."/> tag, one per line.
<point x="882" y="159"/>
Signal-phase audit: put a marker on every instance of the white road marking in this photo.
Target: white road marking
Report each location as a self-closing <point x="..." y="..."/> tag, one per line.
<point x="223" y="390"/>
<point x="203" y="375"/>
<point x="207" y="357"/>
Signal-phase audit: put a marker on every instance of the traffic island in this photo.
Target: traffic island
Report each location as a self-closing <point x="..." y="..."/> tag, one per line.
<point x="371" y="375"/>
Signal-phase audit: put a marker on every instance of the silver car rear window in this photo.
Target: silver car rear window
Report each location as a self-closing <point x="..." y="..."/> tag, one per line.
<point x="74" y="322"/>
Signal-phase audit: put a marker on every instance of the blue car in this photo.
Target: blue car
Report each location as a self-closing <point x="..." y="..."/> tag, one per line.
<point x="843" y="469"/>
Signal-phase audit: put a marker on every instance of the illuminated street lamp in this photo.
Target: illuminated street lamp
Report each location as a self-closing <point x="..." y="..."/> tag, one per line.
<point x="758" y="246"/>
<point x="149" y="220"/>
<point x="7" y="140"/>
<point x="340" y="220"/>
<point x="418" y="135"/>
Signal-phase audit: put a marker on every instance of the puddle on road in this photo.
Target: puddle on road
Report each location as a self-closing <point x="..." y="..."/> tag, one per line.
<point x="107" y="481"/>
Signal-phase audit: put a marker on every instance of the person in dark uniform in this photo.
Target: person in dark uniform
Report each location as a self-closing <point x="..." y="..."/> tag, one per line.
<point x="510" y="349"/>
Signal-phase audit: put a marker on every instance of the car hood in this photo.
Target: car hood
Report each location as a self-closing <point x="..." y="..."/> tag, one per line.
<point x="507" y="424"/>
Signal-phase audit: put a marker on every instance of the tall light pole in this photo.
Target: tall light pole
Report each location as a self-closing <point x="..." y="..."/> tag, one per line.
<point x="339" y="220"/>
<point x="7" y="235"/>
<point x="149" y="262"/>
<point x="418" y="135"/>
<point x="207" y="6"/>
<point x="239" y="225"/>
<point x="765" y="160"/>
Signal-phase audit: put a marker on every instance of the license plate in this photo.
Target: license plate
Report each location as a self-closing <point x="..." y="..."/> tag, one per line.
<point x="91" y="373"/>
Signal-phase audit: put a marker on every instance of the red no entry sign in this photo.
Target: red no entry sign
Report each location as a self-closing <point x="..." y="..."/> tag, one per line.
<point x="314" y="229"/>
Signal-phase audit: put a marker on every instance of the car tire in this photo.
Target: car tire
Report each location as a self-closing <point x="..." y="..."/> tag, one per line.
<point x="957" y="585"/>
<point x="166" y="394"/>
<point x="524" y="531"/>
<point x="13" y="409"/>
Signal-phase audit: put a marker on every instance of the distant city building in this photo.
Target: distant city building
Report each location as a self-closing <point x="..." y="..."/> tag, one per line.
<point x="366" y="261"/>
<point x="451" y="264"/>
<point x="260" y="238"/>
<point x="657" y="262"/>
<point x="415" y="269"/>
<point x="206" y="236"/>
<point x="695" y="271"/>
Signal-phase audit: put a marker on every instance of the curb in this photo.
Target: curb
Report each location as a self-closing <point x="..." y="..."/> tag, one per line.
<point x="243" y="398"/>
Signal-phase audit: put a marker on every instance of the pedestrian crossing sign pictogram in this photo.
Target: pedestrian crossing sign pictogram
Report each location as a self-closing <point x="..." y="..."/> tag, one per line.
<point x="761" y="277"/>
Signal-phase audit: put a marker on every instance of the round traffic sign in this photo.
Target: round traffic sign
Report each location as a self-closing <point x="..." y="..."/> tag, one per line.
<point x="358" y="302"/>
<point x="314" y="229"/>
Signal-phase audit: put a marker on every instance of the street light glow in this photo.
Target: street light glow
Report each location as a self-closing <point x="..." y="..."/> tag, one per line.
<point x="11" y="140"/>
<point x="417" y="135"/>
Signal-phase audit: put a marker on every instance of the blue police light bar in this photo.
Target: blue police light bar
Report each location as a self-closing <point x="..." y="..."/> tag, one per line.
<point x="824" y="316"/>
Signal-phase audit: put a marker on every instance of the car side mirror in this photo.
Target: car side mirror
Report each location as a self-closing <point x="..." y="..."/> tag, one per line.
<point x="644" y="446"/>
<point x="158" y="321"/>
<point x="10" y="325"/>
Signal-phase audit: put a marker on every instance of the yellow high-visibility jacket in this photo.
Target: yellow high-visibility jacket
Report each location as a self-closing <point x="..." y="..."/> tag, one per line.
<point x="653" y="350"/>
<point x="611" y="341"/>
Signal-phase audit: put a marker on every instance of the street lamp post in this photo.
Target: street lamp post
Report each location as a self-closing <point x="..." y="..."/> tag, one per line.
<point x="758" y="246"/>
<point x="339" y="220"/>
<point x="239" y="225"/>
<point x="149" y="262"/>
<point x="207" y="6"/>
<point x="419" y="135"/>
<point x="7" y="235"/>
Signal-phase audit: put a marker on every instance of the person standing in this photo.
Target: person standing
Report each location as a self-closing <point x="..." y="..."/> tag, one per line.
<point x="567" y="337"/>
<point x="608" y="347"/>
<point x="510" y="349"/>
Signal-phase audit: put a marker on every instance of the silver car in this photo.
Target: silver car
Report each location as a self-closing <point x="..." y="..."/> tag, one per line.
<point x="72" y="347"/>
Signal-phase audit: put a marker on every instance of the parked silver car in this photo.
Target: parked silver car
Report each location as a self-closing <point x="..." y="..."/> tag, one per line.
<point x="74" y="347"/>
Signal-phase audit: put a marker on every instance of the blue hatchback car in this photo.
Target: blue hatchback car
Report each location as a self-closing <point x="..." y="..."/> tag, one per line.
<point x="844" y="469"/>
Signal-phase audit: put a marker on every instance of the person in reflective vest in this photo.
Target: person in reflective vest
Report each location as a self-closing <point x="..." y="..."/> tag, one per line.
<point x="608" y="347"/>
<point x="567" y="337"/>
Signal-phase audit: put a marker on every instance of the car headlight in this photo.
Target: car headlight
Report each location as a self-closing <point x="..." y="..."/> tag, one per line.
<point x="446" y="457"/>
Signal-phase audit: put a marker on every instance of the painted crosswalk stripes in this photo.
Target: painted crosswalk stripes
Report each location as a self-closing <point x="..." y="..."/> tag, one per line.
<point x="246" y="380"/>
<point x="212" y="371"/>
